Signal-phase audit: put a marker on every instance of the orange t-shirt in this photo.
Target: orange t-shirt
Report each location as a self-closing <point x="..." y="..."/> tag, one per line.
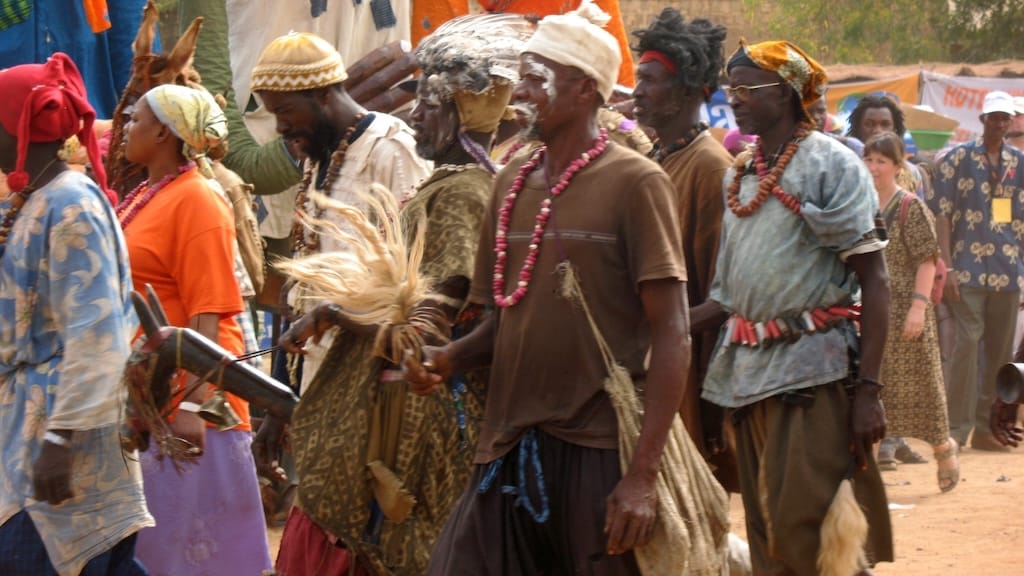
<point x="182" y="243"/>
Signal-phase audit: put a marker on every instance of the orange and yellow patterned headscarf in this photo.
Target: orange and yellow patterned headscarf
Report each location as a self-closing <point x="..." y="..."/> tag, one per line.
<point x="792" y="64"/>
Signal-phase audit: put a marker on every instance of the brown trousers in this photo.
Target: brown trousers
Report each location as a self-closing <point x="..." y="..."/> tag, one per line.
<point x="793" y="452"/>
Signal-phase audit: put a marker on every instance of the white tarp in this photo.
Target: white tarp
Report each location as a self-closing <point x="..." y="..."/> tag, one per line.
<point x="960" y="97"/>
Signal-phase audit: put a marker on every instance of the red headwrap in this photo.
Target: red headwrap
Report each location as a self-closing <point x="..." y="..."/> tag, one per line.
<point x="47" y="103"/>
<point x="657" y="56"/>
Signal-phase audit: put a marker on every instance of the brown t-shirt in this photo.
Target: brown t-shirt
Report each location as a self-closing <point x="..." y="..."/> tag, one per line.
<point x="616" y="223"/>
<point x="697" y="172"/>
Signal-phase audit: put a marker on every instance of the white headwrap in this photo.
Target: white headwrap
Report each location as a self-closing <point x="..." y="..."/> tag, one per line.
<point x="578" y="39"/>
<point x="194" y="117"/>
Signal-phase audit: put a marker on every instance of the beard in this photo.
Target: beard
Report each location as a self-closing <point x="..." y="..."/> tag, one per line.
<point x="317" y="143"/>
<point x="528" y="118"/>
<point x="434" y="147"/>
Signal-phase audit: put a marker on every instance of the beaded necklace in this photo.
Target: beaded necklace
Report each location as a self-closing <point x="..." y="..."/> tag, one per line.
<point x="307" y="242"/>
<point x="505" y="220"/>
<point x="516" y="147"/>
<point x="456" y="167"/>
<point x="449" y="168"/>
<point x="18" y="200"/>
<point x="132" y="204"/>
<point x="660" y="153"/>
<point x="768" y="181"/>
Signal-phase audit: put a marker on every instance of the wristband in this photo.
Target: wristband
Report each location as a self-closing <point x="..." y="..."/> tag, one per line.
<point x="189" y="407"/>
<point x="54" y="438"/>
<point x="871" y="381"/>
<point x="922" y="298"/>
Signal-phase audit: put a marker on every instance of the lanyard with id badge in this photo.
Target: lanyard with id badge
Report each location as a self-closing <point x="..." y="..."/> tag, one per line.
<point x="1002" y="207"/>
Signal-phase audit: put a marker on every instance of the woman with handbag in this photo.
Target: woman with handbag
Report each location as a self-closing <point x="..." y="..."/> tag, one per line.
<point x="914" y="396"/>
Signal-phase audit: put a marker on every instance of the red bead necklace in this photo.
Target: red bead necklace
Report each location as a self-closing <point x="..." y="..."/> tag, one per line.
<point x="516" y="147"/>
<point x="768" y="181"/>
<point x="505" y="220"/>
<point x="132" y="204"/>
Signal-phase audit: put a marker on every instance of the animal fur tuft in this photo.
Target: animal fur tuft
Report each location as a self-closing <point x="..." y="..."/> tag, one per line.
<point x="843" y="534"/>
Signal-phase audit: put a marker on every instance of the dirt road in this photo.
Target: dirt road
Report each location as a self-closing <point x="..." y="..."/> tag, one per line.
<point x="975" y="530"/>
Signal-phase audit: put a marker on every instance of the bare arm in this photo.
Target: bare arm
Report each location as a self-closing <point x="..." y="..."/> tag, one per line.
<point x="874" y="322"/>
<point x="709" y="315"/>
<point x="925" y="277"/>
<point x="913" y="325"/>
<point x="667" y="313"/>
<point x="208" y="325"/>
<point x="632" y="506"/>
<point x="187" y="424"/>
<point x="868" y="421"/>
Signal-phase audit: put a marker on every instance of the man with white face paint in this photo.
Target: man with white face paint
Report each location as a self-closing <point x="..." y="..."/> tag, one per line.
<point x="547" y="495"/>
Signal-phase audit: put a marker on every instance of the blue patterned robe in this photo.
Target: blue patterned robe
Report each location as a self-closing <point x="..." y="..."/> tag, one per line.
<point x="65" y="328"/>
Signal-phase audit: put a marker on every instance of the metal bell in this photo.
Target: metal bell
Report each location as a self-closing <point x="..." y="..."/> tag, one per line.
<point x="218" y="411"/>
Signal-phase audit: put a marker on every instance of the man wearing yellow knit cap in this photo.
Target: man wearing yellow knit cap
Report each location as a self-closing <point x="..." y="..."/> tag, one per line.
<point x="347" y="148"/>
<point x="798" y="361"/>
<point x="299" y="78"/>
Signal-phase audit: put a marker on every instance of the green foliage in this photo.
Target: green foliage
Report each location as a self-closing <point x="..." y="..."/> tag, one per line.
<point x="895" y="31"/>
<point x="981" y="30"/>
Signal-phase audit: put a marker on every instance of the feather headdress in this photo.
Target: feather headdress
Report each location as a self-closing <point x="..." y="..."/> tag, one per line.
<point x="471" y="53"/>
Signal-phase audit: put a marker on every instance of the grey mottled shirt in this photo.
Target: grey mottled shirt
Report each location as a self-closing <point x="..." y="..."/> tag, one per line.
<point x="775" y="264"/>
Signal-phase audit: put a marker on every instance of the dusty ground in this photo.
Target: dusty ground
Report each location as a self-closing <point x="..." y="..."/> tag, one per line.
<point x="977" y="529"/>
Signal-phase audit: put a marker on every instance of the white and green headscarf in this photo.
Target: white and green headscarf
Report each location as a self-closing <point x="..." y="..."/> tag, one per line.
<point x="194" y="116"/>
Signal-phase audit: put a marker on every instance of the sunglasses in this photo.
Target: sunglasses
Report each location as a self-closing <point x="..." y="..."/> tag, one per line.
<point x="742" y="93"/>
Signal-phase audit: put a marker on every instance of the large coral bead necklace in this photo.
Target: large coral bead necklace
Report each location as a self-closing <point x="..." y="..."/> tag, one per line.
<point x="132" y="204"/>
<point x="768" y="181"/>
<point x="541" y="223"/>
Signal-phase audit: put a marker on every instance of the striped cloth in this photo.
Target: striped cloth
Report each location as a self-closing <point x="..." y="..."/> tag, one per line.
<point x="14" y="12"/>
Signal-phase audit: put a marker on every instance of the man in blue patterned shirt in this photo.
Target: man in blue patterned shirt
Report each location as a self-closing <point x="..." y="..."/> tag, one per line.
<point x="979" y="216"/>
<point x="71" y="501"/>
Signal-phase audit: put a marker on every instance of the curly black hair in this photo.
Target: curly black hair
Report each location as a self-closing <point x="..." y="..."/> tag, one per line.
<point x="695" y="48"/>
<point x="869" y="102"/>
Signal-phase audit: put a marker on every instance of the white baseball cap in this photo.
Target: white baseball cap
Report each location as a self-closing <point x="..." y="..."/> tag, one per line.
<point x="1018" y="104"/>
<point x="998" y="101"/>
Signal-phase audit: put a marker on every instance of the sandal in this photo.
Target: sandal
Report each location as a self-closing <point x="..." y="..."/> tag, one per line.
<point x="948" y="478"/>
<point x="907" y="455"/>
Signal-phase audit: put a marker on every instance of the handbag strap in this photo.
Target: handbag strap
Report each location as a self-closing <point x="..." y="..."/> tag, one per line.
<point x="905" y="207"/>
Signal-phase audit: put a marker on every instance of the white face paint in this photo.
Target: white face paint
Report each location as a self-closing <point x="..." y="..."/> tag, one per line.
<point x="527" y="112"/>
<point x="535" y="68"/>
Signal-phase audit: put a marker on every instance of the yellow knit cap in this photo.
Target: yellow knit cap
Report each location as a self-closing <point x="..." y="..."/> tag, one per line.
<point x="297" y="61"/>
